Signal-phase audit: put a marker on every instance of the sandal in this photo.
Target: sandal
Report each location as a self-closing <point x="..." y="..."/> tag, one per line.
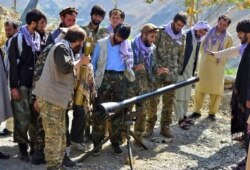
<point x="183" y="124"/>
<point x="189" y="121"/>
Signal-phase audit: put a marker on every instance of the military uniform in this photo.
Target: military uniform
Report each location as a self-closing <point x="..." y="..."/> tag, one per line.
<point x="169" y="54"/>
<point x="54" y="122"/>
<point x="112" y="89"/>
<point x="110" y="82"/>
<point x="97" y="34"/>
<point x="54" y="91"/>
<point x="36" y="131"/>
<point x="144" y="83"/>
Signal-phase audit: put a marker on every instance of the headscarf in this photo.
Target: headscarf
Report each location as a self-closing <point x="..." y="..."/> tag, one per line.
<point x="200" y="25"/>
<point x="242" y="48"/>
<point x="211" y="39"/>
<point x="32" y="40"/>
<point x="142" y="50"/>
<point x="169" y="30"/>
<point x="125" y="50"/>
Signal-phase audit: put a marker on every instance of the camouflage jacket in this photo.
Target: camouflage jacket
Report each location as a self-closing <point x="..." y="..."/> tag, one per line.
<point x="40" y="64"/>
<point x="144" y="78"/>
<point x="169" y="54"/>
<point x="96" y="34"/>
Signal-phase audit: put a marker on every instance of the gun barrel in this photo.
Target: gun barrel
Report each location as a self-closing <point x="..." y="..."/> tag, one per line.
<point x="116" y="106"/>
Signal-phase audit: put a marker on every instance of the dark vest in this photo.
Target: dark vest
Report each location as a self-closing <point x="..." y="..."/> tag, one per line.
<point x="188" y="52"/>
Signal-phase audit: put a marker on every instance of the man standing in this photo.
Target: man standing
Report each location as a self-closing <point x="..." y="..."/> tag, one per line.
<point x="23" y="51"/>
<point x="116" y="16"/>
<point x="97" y="15"/>
<point x="55" y="90"/>
<point x="68" y="18"/>
<point x="11" y="28"/>
<point x="96" y="32"/>
<point x="194" y="37"/>
<point x="36" y="131"/>
<point x="240" y="102"/>
<point x="109" y="78"/>
<point x="169" y="55"/>
<point x="144" y="67"/>
<point x="211" y="70"/>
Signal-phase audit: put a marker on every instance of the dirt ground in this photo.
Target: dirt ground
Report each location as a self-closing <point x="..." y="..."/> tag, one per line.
<point x="207" y="145"/>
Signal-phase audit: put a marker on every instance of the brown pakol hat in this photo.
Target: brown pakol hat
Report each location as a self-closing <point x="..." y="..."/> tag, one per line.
<point x="149" y="27"/>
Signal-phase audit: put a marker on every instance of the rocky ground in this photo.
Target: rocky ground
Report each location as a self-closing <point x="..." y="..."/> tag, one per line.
<point x="207" y="145"/>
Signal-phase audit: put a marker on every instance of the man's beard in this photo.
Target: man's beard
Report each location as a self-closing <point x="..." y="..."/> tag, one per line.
<point x="115" y="41"/>
<point x="9" y="36"/>
<point x="175" y="32"/>
<point x="41" y="32"/>
<point x="147" y="44"/>
<point x="77" y="49"/>
<point x="245" y="40"/>
<point x="96" y="23"/>
<point x="196" y="35"/>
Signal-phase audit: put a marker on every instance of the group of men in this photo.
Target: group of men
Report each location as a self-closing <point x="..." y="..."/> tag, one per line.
<point x="42" y="71"/>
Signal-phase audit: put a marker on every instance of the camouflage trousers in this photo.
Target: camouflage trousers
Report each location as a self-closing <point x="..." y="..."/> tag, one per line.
<point x="53" y="118"/>
<point x="36" y="131"/>
<point x="22" y="116"/>
<point x="166" y="110"/>
<point x="136" y="88"/>
<point x="112" y="89"/>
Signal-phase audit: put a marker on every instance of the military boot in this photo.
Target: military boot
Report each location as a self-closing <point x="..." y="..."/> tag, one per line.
<point x="68" y="162"/>
<point x="166" y="132"/>
<point x="32" y="150"/>
<point x="24" y="156"/>
<point x="38" y="157"/>
<point x="148" y="131"/>
<point x="138" y="138"/>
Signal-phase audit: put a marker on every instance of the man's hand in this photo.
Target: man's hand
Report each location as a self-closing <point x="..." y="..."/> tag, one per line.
<point x="15" y="94"/>
<point x="162" y="71"/>
<point x="210" y="53"/>
<point x="36" y="106"/>
<point x="85" y="60"/>
<point x="139" y="67"/>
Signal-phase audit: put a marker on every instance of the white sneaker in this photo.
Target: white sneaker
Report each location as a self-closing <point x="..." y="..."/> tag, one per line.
<point x="78" y="146"/>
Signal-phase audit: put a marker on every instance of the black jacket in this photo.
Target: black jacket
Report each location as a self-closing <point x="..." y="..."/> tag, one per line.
<point x="21" y="65"/>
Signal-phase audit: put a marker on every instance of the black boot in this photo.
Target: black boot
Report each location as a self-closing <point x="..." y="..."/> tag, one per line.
<point x="68" y="162"/>
<point x="32" y="150"/>
<point x="4" y="156"/>
<point x="38" y="157"/>
<point x="23" y="151"/>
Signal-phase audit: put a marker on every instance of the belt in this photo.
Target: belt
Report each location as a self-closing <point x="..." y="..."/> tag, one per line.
<point x="113" y="72"/>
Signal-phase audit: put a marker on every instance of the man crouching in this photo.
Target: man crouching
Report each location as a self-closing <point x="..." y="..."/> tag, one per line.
<point x="54" y="91"/>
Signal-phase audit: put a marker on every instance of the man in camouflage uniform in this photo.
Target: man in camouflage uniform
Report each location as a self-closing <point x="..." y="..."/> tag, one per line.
<point x="96" y="32"/>
<point x="144" y="68"/>
<point x="109" y="79"/>
<point x="36" y="131"/>
<point x="169" y="54"/>
<point x="55" y="90"/>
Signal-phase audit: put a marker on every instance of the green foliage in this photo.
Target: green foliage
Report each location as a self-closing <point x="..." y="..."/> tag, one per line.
<point x="231" y="71"/>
